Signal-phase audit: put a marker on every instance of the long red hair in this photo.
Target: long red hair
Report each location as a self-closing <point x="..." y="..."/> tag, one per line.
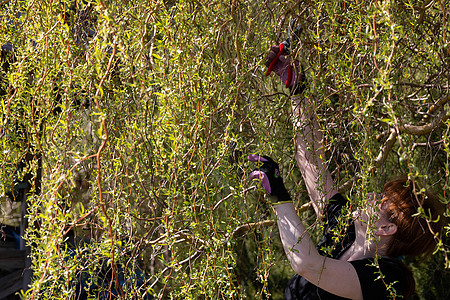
<point x="419" y="219"/>
<point x="407" y="206"/>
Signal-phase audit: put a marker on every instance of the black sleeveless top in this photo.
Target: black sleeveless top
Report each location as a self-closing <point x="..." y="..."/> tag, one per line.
<point x="381" y="278"/>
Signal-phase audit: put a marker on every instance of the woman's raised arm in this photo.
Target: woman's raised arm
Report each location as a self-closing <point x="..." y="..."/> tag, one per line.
<point x="309" y="149"/>
<point x="335" y="276"/>
<point x="310" y="155"/>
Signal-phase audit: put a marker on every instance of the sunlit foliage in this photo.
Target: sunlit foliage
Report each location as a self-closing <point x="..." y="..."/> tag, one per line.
<point x="140" y="114"/>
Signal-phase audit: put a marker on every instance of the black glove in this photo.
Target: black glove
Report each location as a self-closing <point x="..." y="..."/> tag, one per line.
<point x="269" y="174"/>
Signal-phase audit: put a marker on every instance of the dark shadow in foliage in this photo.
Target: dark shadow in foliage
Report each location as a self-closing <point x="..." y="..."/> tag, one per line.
<point x="246" y="269"/>
<point x="103" y="285"/>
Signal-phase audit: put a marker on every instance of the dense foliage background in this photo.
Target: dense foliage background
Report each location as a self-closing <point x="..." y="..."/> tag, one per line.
<point x="136" y="118"/>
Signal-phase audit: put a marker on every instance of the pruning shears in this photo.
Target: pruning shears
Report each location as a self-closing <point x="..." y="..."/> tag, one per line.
<point x="285" y="46"/>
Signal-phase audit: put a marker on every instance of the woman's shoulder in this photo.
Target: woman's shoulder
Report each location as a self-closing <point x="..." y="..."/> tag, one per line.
<point x="384" y="266"/>
<point x="383" y="277"/>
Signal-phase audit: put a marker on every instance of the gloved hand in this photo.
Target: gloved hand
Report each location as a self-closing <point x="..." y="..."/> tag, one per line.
<point x="269" y="174"/>
<point x="291" y="75"/>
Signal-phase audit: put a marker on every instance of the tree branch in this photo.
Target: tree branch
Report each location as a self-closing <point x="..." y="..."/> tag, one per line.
<point x="441" y="102"/>
<point x="414" y="129"/>
<point x="231" y="195"/>
<point x="387" y="147"/>
<point x="428" y="144"/>
<point x="426" y="5"/>
<point x="427" y="128"/>
<point x="244" y="228"/>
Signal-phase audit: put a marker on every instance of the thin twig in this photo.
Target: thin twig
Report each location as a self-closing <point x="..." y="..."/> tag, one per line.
<point x="427" y="144"/>
<point x="231" y="195"/>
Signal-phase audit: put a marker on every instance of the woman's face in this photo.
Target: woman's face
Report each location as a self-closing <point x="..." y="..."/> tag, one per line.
<point x="374" y="214"/>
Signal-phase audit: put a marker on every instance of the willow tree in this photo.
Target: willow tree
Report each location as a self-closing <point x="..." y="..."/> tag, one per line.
<point x="139" y="116"/>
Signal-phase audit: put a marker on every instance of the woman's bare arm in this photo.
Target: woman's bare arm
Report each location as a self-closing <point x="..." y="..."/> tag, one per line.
<point x="334" y="276"/>
<point x="309" y="149"/>
<point x="310" y="154"/>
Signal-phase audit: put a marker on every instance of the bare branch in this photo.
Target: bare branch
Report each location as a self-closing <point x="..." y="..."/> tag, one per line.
<point x="348" y="184"/>
<point x="428" y="144"/>
<point x="427" y="128"/>
<point x="414" y="130"/>
<point x="231" y="195"/>
<point x="426" y="5"/>
<point x="387" y="147"/>
<point x="244" y="228"/>
<point x="417" y="85"/>
<point x="441" y="102"/>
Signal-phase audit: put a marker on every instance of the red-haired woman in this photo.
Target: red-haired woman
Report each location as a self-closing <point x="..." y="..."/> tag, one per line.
<point x="357" y="260"/>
